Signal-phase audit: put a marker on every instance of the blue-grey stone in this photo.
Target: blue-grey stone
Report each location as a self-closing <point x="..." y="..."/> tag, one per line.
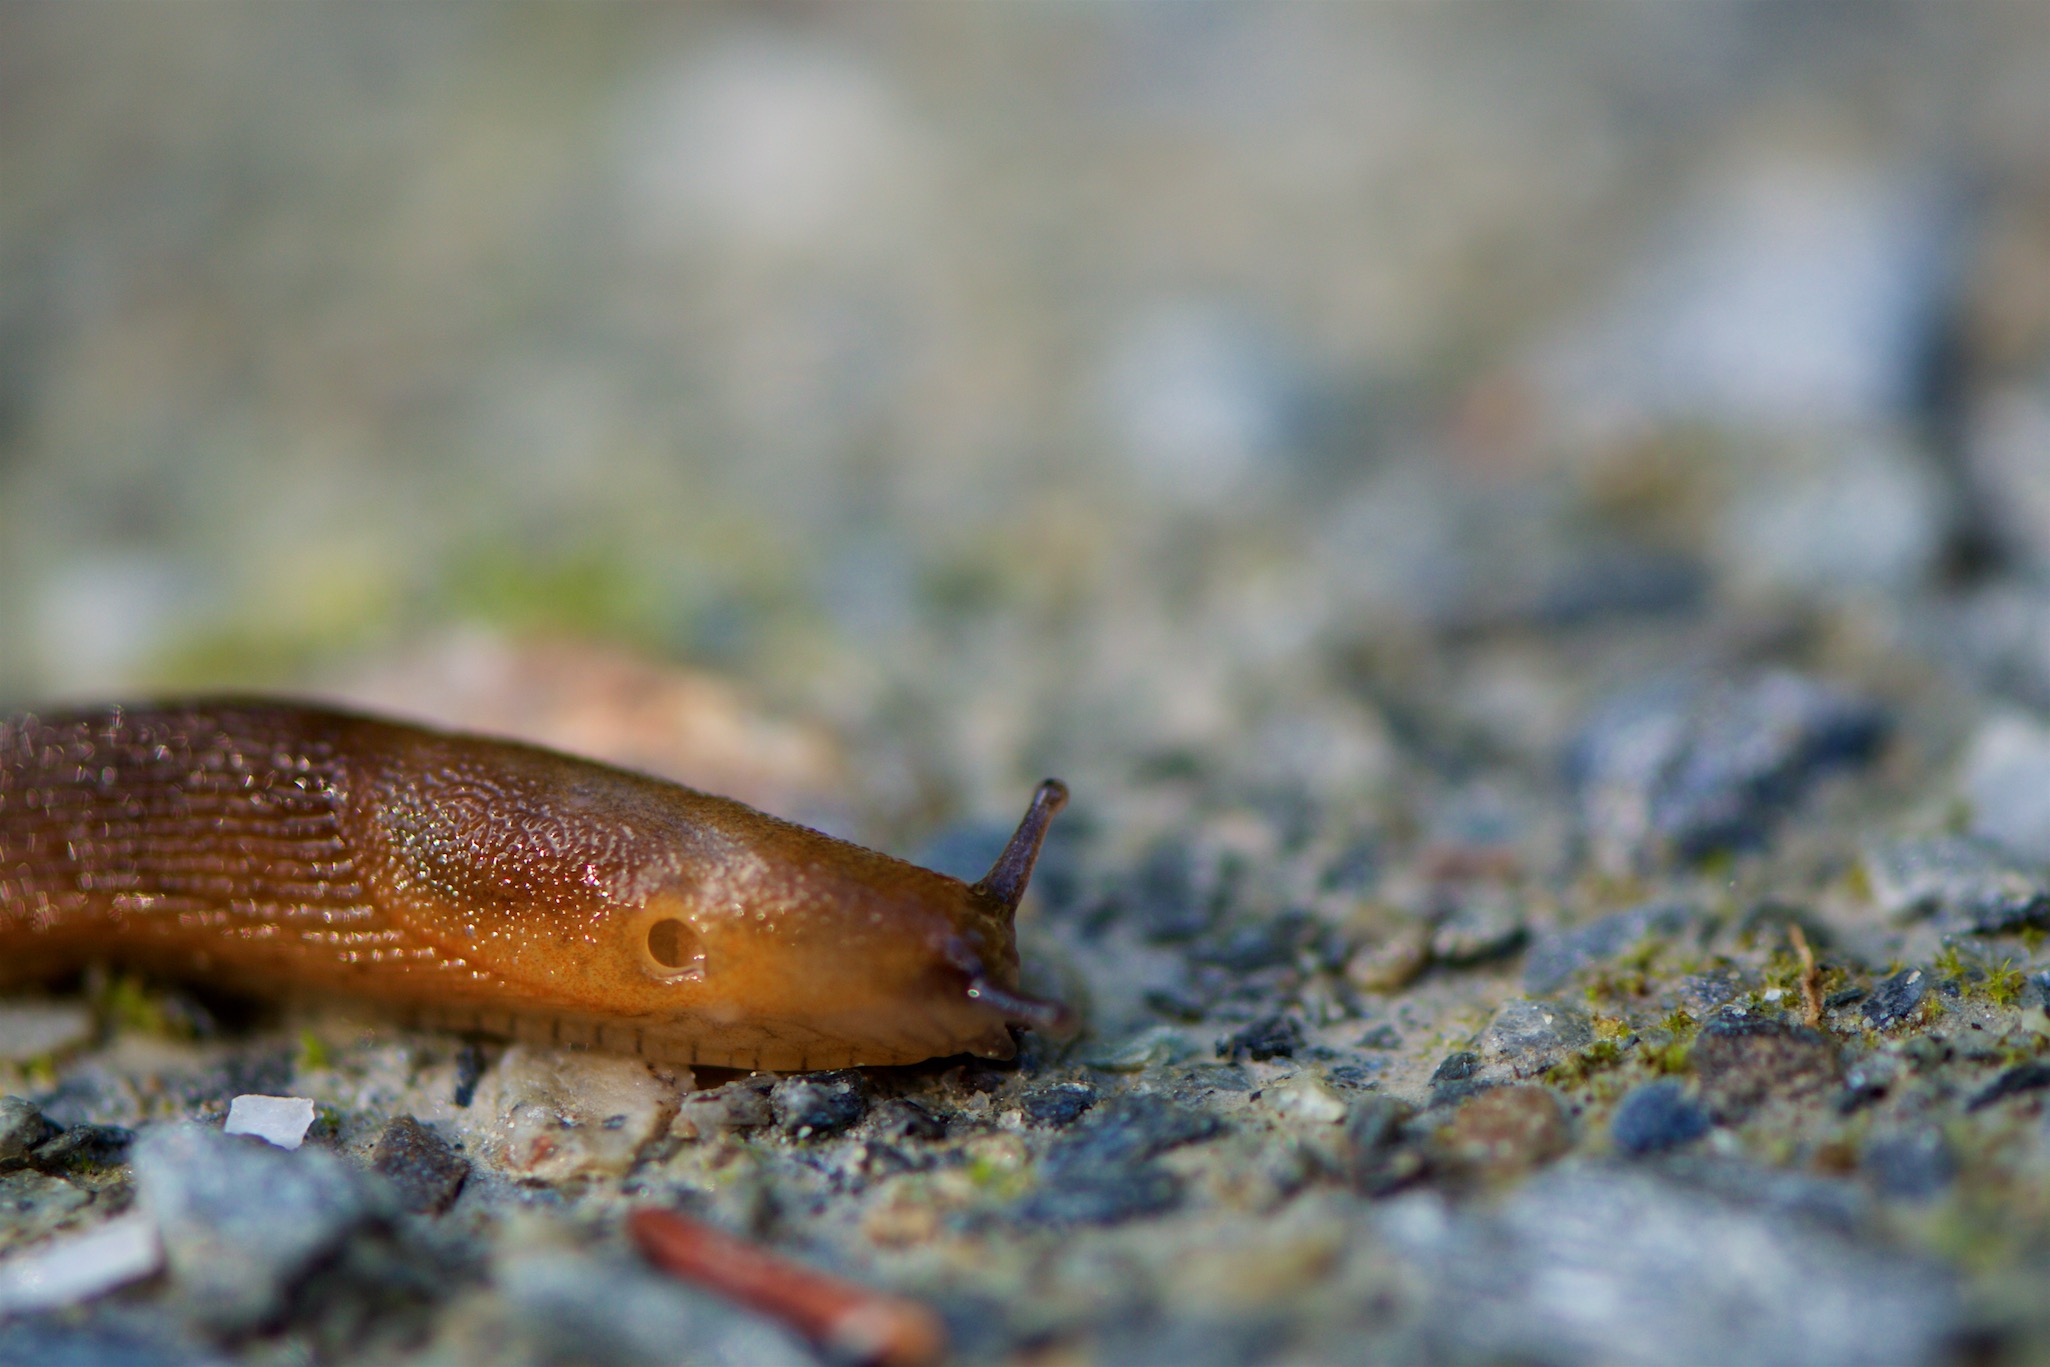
<point x="1556" y="957"/>
<point x="1687" y="770"/>
<point x="1912" y="1165"/>
<point x="1619" y="1264"/>
<point x="242" y="1221"/>
<point x="1657" y="1117"/>
<point x="819" y="1104"/>
<point x="1061" y="1103"/>
<point x="1895" y="998"/>
<point x="1102" y="1171"/>
<point x="1268" y="1037"/>
<point x="1968" y="883"/>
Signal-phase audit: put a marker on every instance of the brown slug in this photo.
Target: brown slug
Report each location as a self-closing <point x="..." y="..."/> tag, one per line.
<point x="487" y="886"/>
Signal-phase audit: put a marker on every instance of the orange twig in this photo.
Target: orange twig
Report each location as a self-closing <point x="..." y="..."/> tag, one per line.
<point x="1811" y="980"/>
<point x="838" y="1315"/>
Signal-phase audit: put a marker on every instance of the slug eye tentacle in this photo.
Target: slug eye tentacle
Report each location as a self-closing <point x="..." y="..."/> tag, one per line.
<point x="1050" y="1017"/>
<point x="1005" y="882"/>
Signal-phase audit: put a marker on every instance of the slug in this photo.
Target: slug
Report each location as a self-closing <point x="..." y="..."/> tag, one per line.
<point x="491" y="887"/>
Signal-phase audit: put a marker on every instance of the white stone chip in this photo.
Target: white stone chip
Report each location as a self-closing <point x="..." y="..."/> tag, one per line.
<point x="81" y="1267"/>
<point x="280" y="1120"/>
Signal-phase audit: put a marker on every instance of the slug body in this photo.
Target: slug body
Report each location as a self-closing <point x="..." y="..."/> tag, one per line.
<point x="487" y="886"/>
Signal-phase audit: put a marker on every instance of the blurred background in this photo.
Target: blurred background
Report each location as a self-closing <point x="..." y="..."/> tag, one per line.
<point x="979" y="391"/>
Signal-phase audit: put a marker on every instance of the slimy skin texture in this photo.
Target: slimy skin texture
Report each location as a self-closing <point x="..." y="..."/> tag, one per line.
<point x="490" y="887"/>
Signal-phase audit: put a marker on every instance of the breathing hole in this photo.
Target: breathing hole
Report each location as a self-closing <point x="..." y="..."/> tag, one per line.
<point x="672" y="944"/>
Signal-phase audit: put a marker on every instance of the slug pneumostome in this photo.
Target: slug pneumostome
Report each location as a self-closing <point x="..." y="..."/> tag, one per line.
<point x="486" y="886"/>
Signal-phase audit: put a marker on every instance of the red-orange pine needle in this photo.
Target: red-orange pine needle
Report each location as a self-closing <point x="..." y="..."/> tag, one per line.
<point x="840" y="1315"/>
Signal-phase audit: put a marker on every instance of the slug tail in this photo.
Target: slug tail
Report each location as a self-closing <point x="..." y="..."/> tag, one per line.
<point x="1005" y="882"/>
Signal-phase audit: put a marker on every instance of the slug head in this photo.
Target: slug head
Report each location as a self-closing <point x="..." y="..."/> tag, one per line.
<point x="839" y="952"/>
<point x="718" y="933"/>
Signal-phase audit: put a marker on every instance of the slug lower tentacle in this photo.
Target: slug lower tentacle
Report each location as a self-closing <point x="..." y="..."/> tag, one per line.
<point x="493" y="887"/>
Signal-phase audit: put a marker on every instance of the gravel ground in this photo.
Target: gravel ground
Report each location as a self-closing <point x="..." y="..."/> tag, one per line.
<point x="1527" y="534"/>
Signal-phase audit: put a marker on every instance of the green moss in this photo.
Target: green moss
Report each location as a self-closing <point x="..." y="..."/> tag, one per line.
<point x="595" y="591"/>
<point x="2004" y="984"/>
<point x="313" y="1054"/>
<point x="1599" y="1057"/>
<point x="128" y="1003"/>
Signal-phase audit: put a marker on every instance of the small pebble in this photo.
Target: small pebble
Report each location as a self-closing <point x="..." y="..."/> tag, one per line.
<point x="424" y="1167"/>
<point x="1742" y="1063"/>
<point x="279" y="1120"/>
<point x="1269" y="1037"/>
<point x="818" y="1105"/>
<point x="737" y="1106"/>
<point x="79" y="1267"/>
<point x="1305" y="1097"/>
<point x="1062" y="1103"/>
<point x="902" y="1118"/>
<point x="1453" y="1078"/>
<point x="1486" y="926"/>
<point x="1655" y="1118"/>
<point x="1895" y="998"/>
<point x="22" y="1128"/>
<point x="1528" y="1037"/>
<point x="552" y="1114"/>
<point x="1503" y="1132"/>
<point x="1392" y="963"/>
<point x="1381" y="1037"/>
<point x="1379" y="1159"/>
<point x="84" y="1147"/>
<point x="469" y="1073"/>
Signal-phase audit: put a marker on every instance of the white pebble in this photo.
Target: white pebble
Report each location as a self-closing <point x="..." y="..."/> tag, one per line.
<point x="123" y="1250"/>
<point x="280" y="1120"/>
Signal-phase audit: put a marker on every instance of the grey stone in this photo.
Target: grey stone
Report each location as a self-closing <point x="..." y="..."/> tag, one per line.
<point x="242" y="1221"/>
<point x="1555" y="958"/>
<point x="1382" y="1036"/>
<point x="22" y="1128"/>
<point x="1969" y="883"/>
<point x="1483" y="927"/>
<point x="422" y="1166"/>
<point x="1528" y="1037"/>
<point x="1268" y="1037"/>
<point x="1655" y="1118"/>
<point x="565" y="1306"/>
<point x="84" y="1148"/>
<point x="2006" y="781"/>
<point x="739" y="1105"/>
<point x="1381" y="1154"/>
<point x="1895" y="998"/>
<point x="1621" y="1266"/>
<point x="1062" y="1103"/>
<point x="1102" y="1171"/>
<point x="819" y="1105"/>
<point x="1911" y="1165"/>
<point x="1743" y="1063"/>
<point x="1686" y="770"/>
<point x="902" y="1118"/>
<point x="2023" y="1077"/>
